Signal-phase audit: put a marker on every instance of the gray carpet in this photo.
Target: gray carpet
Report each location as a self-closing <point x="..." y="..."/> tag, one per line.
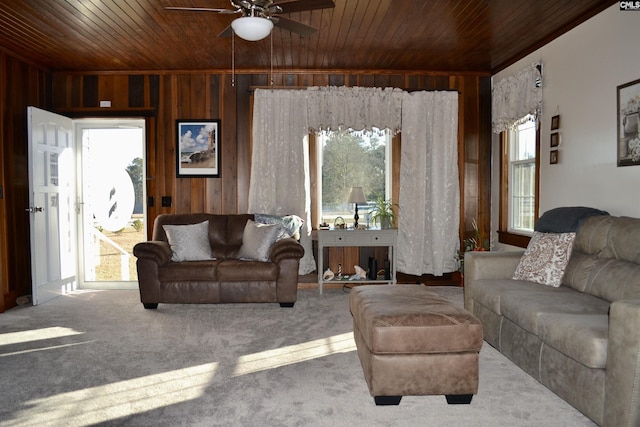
<point x="97" y="357"/>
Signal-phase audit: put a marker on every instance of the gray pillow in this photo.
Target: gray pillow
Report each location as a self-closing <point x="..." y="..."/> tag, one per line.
<point x="257" y="240"/>
<point x="189" y="242"/>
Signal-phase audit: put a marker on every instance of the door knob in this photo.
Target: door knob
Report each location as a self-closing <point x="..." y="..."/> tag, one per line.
<point x="34" y="209"/>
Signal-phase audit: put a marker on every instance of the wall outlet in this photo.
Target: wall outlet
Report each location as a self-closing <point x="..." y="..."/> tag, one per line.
<point x="166" y="201"/>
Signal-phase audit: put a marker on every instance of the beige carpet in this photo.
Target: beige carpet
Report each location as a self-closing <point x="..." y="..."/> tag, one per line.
<point x="99" y="358"/>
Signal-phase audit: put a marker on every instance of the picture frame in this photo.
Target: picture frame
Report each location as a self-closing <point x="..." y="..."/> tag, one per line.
<point x="628" y="125"/>
<point x="555" y="139"/>
<point x="553" y="157"/>
<point x="555" y="122"/>
<point x="198" y="148"/>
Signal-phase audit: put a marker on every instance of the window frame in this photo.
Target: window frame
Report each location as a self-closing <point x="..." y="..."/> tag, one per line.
<point x="315" y="174"/>
<point x="505" y="234"/>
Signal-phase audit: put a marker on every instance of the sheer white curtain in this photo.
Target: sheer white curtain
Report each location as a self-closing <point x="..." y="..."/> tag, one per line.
<point x="516" y="97"/>
<point x="333" y="108"/>
<point x="429" y="215"/>
<point x="280" y="161"/>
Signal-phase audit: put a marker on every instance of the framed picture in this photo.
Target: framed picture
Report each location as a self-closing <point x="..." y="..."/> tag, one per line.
<point x="628" y="130"/>
<point x="198" y="148"/>
<point x="555" y="122"/>
<point x="553" y="159"/>
<point x="555" y="139"/>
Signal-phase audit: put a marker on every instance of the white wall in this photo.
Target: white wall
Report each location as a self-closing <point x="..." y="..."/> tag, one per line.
<point x="582" y="70"/>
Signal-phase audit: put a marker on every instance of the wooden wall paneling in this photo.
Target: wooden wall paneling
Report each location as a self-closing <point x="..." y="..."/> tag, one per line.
<point x="4" y="244"/>
<point x="229" y="148"/>
<point x="336" y="80"/>
<point x="244" y="125"/>
<point x="21" y="85"/>
<point x="168" y="111"/>
<point x="213" y="189"/>
<point x="90" y="91"/>
<point x="198" y="94"/>
<point x="76" y="95"/>
<point x="138" y="87"/>
<point x="483" y="118"/>
<point x="150" y="155"/>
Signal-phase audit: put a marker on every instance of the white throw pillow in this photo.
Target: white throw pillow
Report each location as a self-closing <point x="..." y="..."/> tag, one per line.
<point x="257" y="240"/>
<point x="189" y="242"/>
<point x="546" y="258"/>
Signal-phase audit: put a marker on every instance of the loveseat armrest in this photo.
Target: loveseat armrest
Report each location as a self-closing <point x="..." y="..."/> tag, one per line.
<point x="487" y="265"/>
<point x="622" y="384"/>
<point x="285" y="249"/>
<point x="154" y="250"/>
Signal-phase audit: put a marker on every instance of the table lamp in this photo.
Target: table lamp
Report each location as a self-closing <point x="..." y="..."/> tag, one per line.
<point x="356" y="196"/>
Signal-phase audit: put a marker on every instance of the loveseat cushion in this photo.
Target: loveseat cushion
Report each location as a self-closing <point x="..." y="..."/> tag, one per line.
<point x="488" y="292"/>
<point x="526" y="307"/>
<point x="582" y="337"/>
<point x="188" y="271"/>
<point x="235" y="270"/>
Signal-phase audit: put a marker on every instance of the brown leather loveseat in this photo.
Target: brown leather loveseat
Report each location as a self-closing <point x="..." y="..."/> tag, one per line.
<point x="223" y="277"/>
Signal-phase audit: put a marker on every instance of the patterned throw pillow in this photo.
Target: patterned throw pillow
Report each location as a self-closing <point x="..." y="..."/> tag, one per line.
<point x="189" y="242"/>
<point x="546" y="258"/>
<point x="257" y="240"/>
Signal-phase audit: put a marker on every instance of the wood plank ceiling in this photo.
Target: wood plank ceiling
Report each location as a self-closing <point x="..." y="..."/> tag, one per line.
<point x="433" y="35"/>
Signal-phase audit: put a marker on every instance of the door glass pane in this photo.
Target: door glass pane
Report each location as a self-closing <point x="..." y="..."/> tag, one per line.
<point x="113" y="194"/>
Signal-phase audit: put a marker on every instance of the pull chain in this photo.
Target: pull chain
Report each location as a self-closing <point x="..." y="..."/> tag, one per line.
<point x="233" y="58"/>
<point x="271" y="58"/>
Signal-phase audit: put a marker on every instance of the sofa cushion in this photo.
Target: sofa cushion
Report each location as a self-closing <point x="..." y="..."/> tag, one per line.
<point x="525" y="307"/>
<point x="188" y="271"/>
<point x="582" y="337"/>
<point x="189" y="242"/>
<point x="257" y="239"/>
<point x="546" y="258"/>
<point x="488" y="291"/>
<point x="235" y="270"/>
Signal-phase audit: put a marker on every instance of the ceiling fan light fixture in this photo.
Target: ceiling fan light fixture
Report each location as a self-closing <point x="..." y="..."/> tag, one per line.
<point x="252" y="28"/>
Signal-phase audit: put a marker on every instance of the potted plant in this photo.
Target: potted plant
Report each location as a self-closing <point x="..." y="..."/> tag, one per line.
<point x="382" y="212"/>
<point x="477" y="243"/>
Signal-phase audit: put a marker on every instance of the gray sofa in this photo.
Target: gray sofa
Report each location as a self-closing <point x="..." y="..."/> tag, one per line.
<point x="581" y="339"/>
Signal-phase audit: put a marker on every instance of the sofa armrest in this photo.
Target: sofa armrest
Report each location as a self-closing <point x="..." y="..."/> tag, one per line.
<point x="154" y="250"/>
<point x="622" y="384"/>
<point x="285" y="249"/>
<point x="487" y="265"/>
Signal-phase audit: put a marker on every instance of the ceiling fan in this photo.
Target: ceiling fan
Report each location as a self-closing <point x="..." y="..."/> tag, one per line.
<point x="259" y="16"/>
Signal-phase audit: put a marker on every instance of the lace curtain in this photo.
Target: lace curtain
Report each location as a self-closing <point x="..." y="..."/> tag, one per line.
<point x="429" y="214"/>
<point x="515" y="97"/>
<point x="360" y="108"/>
<point x="280" y="174"/>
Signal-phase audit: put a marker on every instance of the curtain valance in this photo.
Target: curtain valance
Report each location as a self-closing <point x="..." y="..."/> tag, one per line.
<point x="359" y="108"/>
<point x="515" y="97"/>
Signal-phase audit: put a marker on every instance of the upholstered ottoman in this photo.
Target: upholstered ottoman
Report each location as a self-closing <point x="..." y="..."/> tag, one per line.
<point x="411" y="342"/>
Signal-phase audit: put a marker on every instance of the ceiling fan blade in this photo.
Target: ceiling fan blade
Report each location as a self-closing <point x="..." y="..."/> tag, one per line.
<point x="293" y="26"/>
<point x="202" y="9"/>
<point x="228" y="32"/>
<point x="290" y="6"/>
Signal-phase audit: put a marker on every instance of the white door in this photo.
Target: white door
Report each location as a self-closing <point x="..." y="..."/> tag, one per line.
<point x="51" y="204"/>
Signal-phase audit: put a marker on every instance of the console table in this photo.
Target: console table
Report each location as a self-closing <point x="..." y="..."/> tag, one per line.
<point x="359" y="238"/>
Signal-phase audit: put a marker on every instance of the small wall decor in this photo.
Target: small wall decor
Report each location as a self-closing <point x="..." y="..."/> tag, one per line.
<point x="555" y="122"/>
<point x="555" y="139"/>
<point x="198" y="148"/>
<point x="628" y="124"/>
<point x="553" y="158"/>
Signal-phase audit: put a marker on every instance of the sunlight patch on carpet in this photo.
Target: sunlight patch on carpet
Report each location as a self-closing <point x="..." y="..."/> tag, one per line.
<point x="120" y="399"/>
<point x="36" y="335"/>
<point x="297" y="353"/>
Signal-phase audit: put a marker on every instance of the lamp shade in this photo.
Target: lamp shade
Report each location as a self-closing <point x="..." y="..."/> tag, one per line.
<point x="252" y="28"/>
<point x="356" y="195"/>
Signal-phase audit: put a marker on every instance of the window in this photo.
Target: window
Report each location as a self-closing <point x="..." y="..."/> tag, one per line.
<point x="346" y="159"/>
<point x="519" y="183"/>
